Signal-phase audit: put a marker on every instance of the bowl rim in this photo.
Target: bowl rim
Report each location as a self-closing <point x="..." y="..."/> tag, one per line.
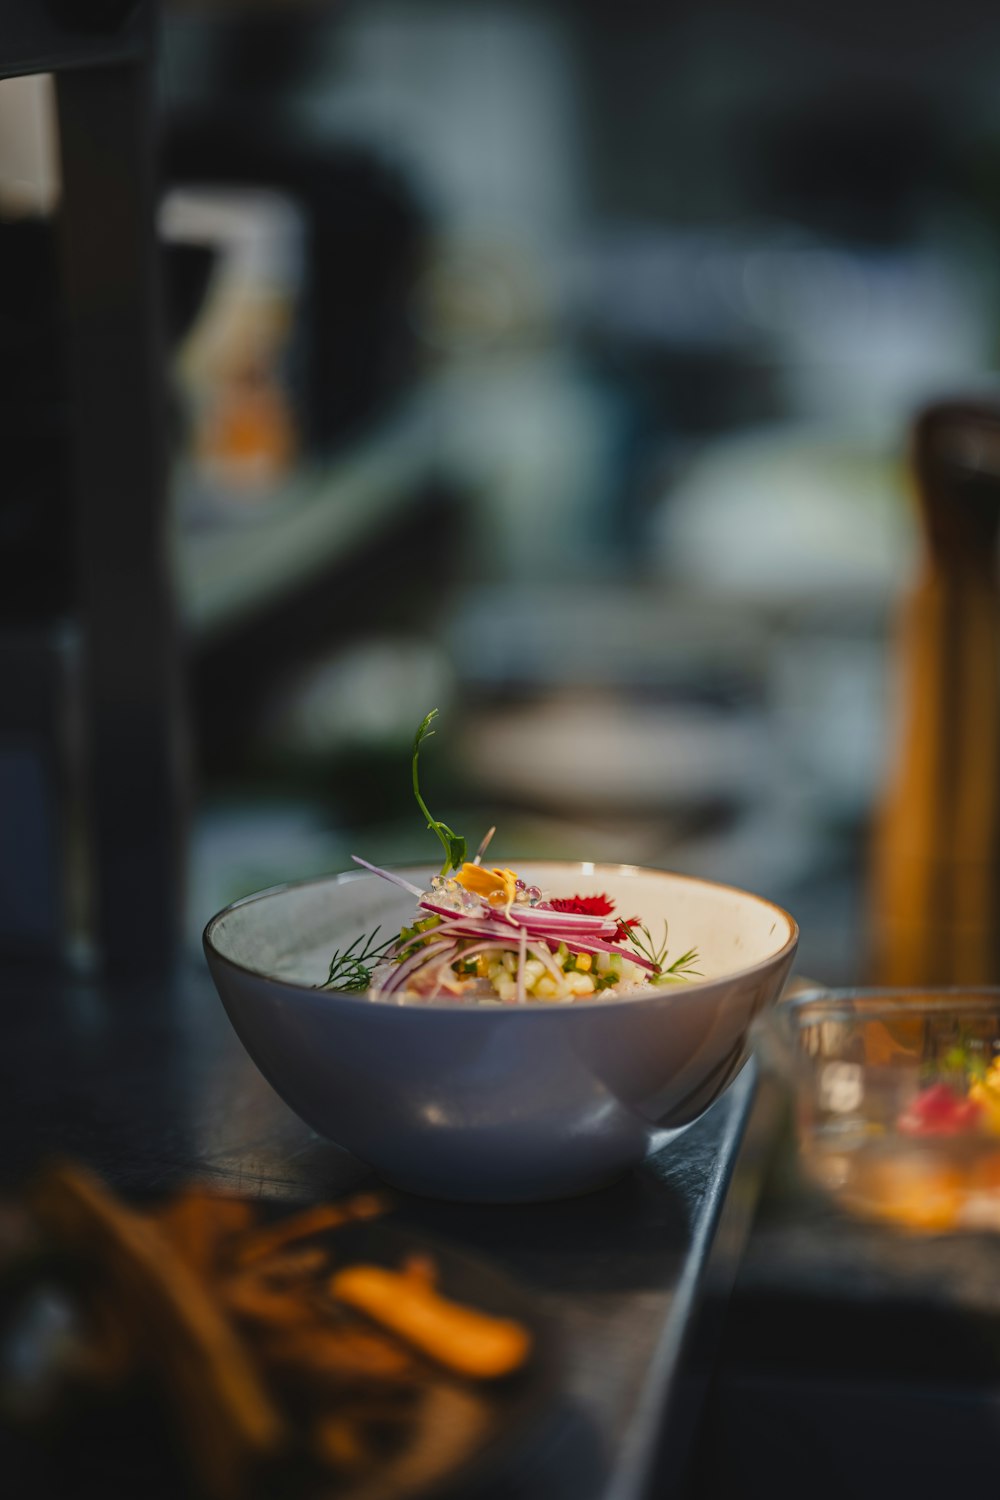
<point x="456" y="1007"/>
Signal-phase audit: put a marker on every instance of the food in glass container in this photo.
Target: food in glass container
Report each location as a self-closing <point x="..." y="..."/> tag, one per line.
<point x="901" y="1119"/>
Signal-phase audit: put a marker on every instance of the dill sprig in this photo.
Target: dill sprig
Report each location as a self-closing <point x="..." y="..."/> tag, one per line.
<point x="684" y="967"/>
<point x="681" y="968"/>
<point x="453" y="843"/>
<point x="351" y="970"/>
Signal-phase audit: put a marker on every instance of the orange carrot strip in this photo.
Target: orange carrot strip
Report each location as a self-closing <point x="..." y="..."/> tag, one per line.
<point x="197" y="1223"/>
<point x="462" y="1338"/>
<point x="316" y="1220"/>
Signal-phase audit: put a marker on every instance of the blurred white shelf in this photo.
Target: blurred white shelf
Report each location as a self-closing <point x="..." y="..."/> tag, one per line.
<point x="229" y="570"/>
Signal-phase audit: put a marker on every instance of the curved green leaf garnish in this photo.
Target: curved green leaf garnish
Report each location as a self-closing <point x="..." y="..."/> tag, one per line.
<point x="453" y="843"/>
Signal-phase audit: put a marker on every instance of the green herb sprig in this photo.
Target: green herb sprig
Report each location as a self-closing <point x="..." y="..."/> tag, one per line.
<point x="453" y="843"/>
<point x="681" y="968"/>
<point x="684" y="967"/>
<point x="352" y="970"/>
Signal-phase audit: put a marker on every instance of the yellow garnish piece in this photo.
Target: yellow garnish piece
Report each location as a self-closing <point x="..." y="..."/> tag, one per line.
<point x="497" y="886"/>
<point x="987" y="1095"/>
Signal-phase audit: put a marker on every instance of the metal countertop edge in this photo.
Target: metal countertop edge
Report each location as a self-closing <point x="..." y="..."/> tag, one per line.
<point x="636" y="1468"/>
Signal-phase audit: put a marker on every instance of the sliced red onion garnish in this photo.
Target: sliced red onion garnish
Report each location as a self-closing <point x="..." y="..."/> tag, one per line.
<point x="388" y="875"/>
<point x="529" y="916"/>
<point x="554" y="926"/>
<point x="410" y="965"/>
<point x="466" y="927"/>
<point x="560" y="921"/>
<point x="596" y="945"/>
<point x="485" y="930"/>
<point x="489" y="915"/>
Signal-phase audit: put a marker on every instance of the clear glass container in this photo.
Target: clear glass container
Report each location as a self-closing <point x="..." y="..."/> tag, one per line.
<point x="897" y="1101"/>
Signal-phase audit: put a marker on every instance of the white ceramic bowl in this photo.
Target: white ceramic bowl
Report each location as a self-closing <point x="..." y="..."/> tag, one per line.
<point x="497" y="1103"/>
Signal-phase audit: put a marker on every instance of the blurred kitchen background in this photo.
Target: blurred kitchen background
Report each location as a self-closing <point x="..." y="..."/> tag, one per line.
<point x="550" y="363"/>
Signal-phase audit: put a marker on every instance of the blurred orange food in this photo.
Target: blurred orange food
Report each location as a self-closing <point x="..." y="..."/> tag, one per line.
<point x="912" y="1189"/>
<point x="261" y="1355"/>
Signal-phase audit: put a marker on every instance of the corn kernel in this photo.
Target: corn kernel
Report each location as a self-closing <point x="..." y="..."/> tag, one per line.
<point x="583" y="963"/>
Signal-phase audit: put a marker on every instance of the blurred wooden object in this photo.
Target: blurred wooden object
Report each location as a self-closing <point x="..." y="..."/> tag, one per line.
<point x="935" y="908"/>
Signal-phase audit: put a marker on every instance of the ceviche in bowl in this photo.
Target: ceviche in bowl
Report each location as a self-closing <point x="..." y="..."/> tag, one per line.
<point x="499" y="1031"/>
<point x="486" y="933"/>
<point x="488" y="936"/>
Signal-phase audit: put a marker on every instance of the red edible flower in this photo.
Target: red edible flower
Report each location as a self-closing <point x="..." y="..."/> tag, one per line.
<point x="587" y="906"/>
<point x="624" y="924"/>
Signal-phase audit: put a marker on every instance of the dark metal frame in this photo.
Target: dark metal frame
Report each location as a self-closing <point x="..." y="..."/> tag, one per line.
<point x="101" y="52"/>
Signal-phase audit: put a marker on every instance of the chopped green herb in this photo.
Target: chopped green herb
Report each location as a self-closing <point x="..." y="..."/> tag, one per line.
<point x="352" y="970"/>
